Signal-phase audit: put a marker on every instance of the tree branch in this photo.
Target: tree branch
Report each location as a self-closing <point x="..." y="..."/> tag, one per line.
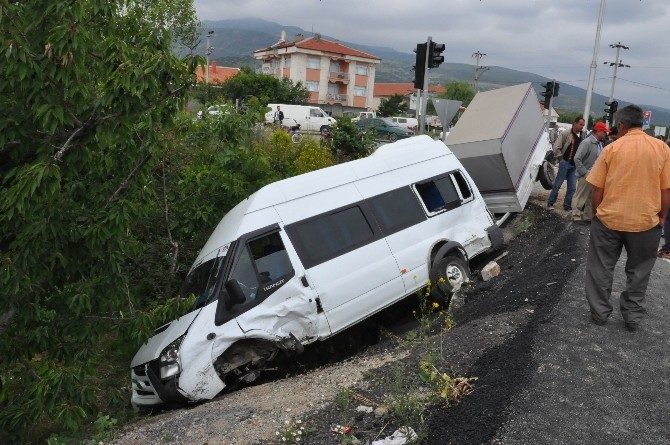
<point x="6" y="319"/>
<point x="175" y="255"/>
<point x="124" y="185"/>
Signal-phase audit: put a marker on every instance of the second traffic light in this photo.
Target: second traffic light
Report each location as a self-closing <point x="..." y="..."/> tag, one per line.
<point x="435" y="57"/>
<point x="420" y="65"/>
<point x="550" y="90"/>
<point x="610" y="110"/>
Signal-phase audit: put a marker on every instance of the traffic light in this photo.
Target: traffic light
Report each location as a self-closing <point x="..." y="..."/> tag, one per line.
<point x="435" y="57"/>
<point x="610" y="110"/>
<point x="420" y="65"/>
<point x="550" y="90"/>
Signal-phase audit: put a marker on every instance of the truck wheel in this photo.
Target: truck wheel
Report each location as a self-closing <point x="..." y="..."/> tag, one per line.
<point x="448" y="275"/>
<point x="546" y="175"/>
<point x="393" y="137"/>
<point x="324" y="128"/>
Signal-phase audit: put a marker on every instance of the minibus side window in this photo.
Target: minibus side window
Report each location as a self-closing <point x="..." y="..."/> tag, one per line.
<point x="463" y="186"/>
<point x="263" y="260"/>
<point x="396" y="210"/>
<point x="328" y="236"/>
<point x="439" y="194"/>
<point x="245" y="274"/>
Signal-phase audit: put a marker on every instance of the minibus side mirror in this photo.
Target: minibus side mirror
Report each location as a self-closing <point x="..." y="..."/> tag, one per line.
<point x="234" y="294"/>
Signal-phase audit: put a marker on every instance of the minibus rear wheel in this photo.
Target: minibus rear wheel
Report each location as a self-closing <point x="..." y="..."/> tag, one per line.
<point x="450" y="273"/>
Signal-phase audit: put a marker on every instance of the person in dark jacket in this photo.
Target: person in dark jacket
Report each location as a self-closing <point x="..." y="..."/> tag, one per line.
<point x="565" y="148"/>
<point x="586" y="156"/>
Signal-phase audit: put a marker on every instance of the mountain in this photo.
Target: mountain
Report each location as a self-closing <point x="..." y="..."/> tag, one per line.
<point x="234" y="42"/>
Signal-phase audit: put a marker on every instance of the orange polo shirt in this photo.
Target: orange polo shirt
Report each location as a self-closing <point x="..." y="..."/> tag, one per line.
<point x="632" y="171"/>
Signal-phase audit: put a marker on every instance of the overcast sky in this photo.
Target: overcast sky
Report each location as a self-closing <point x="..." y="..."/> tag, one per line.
<point x="553" y="38"/>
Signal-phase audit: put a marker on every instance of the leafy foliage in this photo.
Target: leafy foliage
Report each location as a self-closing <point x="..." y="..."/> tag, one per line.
<point x="349" y="142"/>
<point x="392" y="106"/>
<point x="247" y="84"/>
<point x="458" y="90"/>
<point x="84" y="84"/>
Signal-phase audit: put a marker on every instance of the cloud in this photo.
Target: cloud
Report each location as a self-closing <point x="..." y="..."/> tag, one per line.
<point x="551" y="38"/>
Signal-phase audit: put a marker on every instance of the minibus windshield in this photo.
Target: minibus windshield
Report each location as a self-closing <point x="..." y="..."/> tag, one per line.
<point x="203" y="280"/>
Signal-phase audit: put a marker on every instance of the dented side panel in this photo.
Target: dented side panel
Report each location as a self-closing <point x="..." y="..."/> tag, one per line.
<point x="199" y="380"/>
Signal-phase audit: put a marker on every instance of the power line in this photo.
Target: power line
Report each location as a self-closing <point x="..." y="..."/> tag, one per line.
<point x="644" y="84"/>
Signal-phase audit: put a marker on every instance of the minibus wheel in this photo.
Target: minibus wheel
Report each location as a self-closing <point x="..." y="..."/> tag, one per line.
<point x="450" y="273"/>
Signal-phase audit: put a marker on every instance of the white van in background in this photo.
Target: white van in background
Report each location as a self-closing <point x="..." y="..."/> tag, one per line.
<point x="309" y="256"/>
<point x="408" y="123"/>
<point x="310" y="118"/>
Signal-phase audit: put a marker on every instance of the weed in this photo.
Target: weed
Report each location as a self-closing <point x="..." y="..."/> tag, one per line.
<point x="293" y="432"/>
<point x="343" y="400"/>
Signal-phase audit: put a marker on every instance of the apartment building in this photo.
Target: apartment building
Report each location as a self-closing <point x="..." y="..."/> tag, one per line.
<point x="337" y="77"/>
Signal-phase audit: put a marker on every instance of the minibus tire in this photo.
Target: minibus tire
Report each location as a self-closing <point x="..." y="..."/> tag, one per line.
<point x="450" y="273"/>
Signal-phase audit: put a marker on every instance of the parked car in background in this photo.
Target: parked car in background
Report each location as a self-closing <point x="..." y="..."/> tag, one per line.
<point x="408" y="123"/>
<point x="215" y="110"/>
<point x="385" y="128"/>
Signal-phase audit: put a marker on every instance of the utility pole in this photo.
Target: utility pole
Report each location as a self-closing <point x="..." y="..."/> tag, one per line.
<point x="478" y="69"/>
<point x="592" y="74"/>
<point x="208" y="51"/>
<point x="616" y="65"/>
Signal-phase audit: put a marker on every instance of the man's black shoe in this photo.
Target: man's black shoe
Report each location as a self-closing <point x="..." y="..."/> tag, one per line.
<point x="632" y="327"/>
<point x="597" y="320"/>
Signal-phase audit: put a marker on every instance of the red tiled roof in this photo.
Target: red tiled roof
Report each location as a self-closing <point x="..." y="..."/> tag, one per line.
<point x="389" y="89"/>
<point x="326" y="46"/>
<point x="217" y="74"/>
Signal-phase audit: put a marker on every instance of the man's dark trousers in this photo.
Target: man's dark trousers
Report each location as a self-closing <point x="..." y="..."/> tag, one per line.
<point x="605" y="247"/>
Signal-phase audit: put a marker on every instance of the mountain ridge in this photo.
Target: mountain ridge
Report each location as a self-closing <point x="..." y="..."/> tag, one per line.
<point x="235" y="40"/>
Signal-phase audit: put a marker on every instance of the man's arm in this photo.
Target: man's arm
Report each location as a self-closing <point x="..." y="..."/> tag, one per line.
<point x="558" y="145"/>
<point x="665" y="206"/>
<point x="579" y="155"/>
<point x="597" y="197"/>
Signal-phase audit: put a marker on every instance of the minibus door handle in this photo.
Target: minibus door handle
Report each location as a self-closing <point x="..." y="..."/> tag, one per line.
<point x="303" y="280"/>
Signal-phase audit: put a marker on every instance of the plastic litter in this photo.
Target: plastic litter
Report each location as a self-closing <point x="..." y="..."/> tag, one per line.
<point x="340" y="429"/>
<point x="400" y="437"/>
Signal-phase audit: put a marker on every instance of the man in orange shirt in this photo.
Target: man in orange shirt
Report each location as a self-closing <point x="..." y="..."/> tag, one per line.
<point x="631" y="196"/>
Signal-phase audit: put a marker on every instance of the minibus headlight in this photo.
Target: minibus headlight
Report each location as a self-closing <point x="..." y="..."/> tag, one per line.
<point x="170" y="361"/>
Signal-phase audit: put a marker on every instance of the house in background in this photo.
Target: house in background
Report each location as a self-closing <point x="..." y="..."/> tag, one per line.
<point x="217" y="74"/>
<point x="337" y="77"/>
<point x="407" y="90"/>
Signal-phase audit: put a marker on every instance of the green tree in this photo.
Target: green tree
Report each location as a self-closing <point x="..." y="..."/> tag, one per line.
<point x="458" y="90"/>
<point x="349" y="142"/>
<point x="392" y="106"/>
<point x="266" y="88"/>
<point x="85" y="84"/>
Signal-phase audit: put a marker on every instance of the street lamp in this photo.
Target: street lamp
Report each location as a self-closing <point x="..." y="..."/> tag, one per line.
<point x="208" y="51"/>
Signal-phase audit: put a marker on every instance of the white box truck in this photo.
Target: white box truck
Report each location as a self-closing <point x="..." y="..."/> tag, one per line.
<point x="307" y="257"/>
<point x="502" y="141"/>
<point x="310" y="118"/>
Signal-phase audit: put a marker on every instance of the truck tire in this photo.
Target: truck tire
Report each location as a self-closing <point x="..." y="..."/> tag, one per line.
<point x="546" y="175"/>
<point x="324" y="128"/>
<point x="447" y="276"/>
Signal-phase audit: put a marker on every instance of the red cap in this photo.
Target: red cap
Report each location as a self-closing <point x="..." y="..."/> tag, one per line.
<point x="600" y="126"/>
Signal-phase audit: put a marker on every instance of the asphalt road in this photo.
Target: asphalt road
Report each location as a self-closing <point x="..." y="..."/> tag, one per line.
<point x="597" y="384"/>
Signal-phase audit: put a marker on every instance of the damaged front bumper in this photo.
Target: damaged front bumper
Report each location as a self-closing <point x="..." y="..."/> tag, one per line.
<point x="149" y="390"/>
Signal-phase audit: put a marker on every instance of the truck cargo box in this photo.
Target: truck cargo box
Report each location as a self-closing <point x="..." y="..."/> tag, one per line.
<point x="502" y="140"/>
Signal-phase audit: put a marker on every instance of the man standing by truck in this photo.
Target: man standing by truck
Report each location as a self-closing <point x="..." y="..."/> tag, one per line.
<point x="565" y="148"/>
<point x="586" y="156"/>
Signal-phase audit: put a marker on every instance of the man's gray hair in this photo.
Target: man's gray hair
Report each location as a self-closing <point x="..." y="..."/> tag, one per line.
<point x="630" y="116"/>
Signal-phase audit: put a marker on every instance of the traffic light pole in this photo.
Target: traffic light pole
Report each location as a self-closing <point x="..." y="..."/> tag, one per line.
<point x="426" y="83"/>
